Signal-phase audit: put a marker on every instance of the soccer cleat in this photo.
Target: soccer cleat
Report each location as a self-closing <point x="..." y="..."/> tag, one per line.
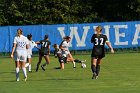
<point x="25" y="79"/>
<point x="94" y="76"/>
<point x="43" y="68"/>
<point x="17" y="79"/>
<point x="30" y="71"/>
<point x="83" y="61"/>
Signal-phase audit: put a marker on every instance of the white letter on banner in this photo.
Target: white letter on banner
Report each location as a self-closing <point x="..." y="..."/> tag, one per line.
<point x="118" y="35"/>
<point x="136" y="36"/>
<point x="107" y="27"/>
<point x="80" y="43"/>
<point x="61" y="30"/>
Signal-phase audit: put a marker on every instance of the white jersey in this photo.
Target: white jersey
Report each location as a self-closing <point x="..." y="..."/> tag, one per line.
<point x="21" y="42"/>
<point x="21" y="50"/>
<point x="65" y="45"/>
<point x="32" y="44"/>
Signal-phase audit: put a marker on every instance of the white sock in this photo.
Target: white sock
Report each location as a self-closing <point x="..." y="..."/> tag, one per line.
<point x="27" y="64"/>
<point x="29" y="68"/>
<point x="24" y="71"/>
<point x="17" y="73"/>
<point x="74" y="64"/>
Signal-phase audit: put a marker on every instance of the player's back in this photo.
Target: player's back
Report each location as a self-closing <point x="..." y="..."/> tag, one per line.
<point x="99" y="43"/>
<point x="21" y="42"/>
<point x="45" y="43"/>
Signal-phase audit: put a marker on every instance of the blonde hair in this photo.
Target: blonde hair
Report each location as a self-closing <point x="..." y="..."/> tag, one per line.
<point x="99" y="28"/>
<point x="19" y="32"/>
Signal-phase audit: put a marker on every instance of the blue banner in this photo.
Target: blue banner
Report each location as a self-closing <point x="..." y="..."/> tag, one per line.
<point x="120" y="34"/>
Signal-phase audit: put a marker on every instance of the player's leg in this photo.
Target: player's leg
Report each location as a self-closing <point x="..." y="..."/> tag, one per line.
<point x="70" y="59"/>
<point x="47" y="59"/>
<point x="23" y="62"/>
<point x="80" y="61"/>
<point x="28" y="64"/>
<point x="29" y="67"/>
<point x="62" y="65"/>
<point x="93" y="66"/>
<point x="24" y="70"/>
<point x="17" y="64"/>
<point x="39" y="61"/>
<point x="98" y="66"/>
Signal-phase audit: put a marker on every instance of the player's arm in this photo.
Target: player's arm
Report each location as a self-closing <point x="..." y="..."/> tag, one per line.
<point x="13" y="50"/>
<point x="38" y="42"/>
<point x="110" y="46"/>
<point x="92" y="38"/>
<point x="49" y="47"/>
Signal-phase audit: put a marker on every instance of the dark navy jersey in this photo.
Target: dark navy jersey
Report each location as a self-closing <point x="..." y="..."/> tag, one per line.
<point x="44" y="47"/>
<point x="99" y="44"/>
<point x="45" y="43"/>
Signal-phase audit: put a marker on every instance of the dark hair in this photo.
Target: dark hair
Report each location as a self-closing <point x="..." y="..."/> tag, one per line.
<point x="66" y="37"/>
<point x="19" y="31"/>
<point x="46" y="37"/>
<point x="29" y="36"/>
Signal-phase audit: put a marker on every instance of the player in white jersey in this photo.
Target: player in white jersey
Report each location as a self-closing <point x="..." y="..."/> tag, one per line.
<point x="64" y="46"/>
<point x="20" y="46"/>
<point x="32" y="44"/>
<point x="63" y="56"/>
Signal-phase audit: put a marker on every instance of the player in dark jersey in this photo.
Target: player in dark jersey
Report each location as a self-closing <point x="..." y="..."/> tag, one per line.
<point x="98" y="52"/>
<point x="44" y="51"/>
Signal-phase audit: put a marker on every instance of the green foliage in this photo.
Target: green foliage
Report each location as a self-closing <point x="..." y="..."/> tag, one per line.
<point x="25" y="12"/>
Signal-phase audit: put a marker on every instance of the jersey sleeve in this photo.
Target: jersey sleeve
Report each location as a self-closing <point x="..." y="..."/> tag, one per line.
<point x="92" y="38"/>
<point x="27" y="41"/>
<point x="106" y="39"/>
<point x="15" y="40"/>
<point x="35" y="45"/>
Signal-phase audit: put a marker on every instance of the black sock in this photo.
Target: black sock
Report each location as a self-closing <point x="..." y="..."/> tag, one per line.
<point x="97" y="69"/>
<point x="77" y="61"/>
<point x="93" y="68"/>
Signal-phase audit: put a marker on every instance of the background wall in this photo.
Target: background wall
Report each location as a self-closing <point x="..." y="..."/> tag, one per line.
<point x="120" y="34"/>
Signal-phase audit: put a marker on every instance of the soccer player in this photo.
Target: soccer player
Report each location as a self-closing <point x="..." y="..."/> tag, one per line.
<point x="32" y="44"/>
<point x="98" y="52"/>
<point x="20" y="46"/>
<point x="64" y="46"/>
<point x="65" y="53"/>
<point x="44" y="51"/>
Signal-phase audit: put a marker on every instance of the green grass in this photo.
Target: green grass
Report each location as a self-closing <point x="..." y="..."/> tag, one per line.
<point x="120" y="73"/>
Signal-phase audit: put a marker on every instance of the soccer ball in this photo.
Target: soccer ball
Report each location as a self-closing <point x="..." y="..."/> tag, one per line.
<point x="83" y="65"/>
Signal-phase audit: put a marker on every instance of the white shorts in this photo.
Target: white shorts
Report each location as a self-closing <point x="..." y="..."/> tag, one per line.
<point x="21" y="55"/>
<point x="29" y="56"/>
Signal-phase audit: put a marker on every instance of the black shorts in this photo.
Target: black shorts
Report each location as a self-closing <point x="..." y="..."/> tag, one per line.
<point x="43" y="52"/>
<point x="98" y="54"/>
<point x="62" y="59"/>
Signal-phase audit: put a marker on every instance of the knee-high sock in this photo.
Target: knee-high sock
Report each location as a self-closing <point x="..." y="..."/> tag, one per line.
<point x="97" y="69"/>
<point x="17" y="73"/>
<point x="93" y="68"/>
<point x="24" y="71"/>
<point x="73" y="64"/>
<point x="29" y="68"/>
<point x="77" y="61"/>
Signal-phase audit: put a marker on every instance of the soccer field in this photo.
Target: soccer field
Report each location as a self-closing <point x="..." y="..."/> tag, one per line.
<point x="120" y="73"/>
